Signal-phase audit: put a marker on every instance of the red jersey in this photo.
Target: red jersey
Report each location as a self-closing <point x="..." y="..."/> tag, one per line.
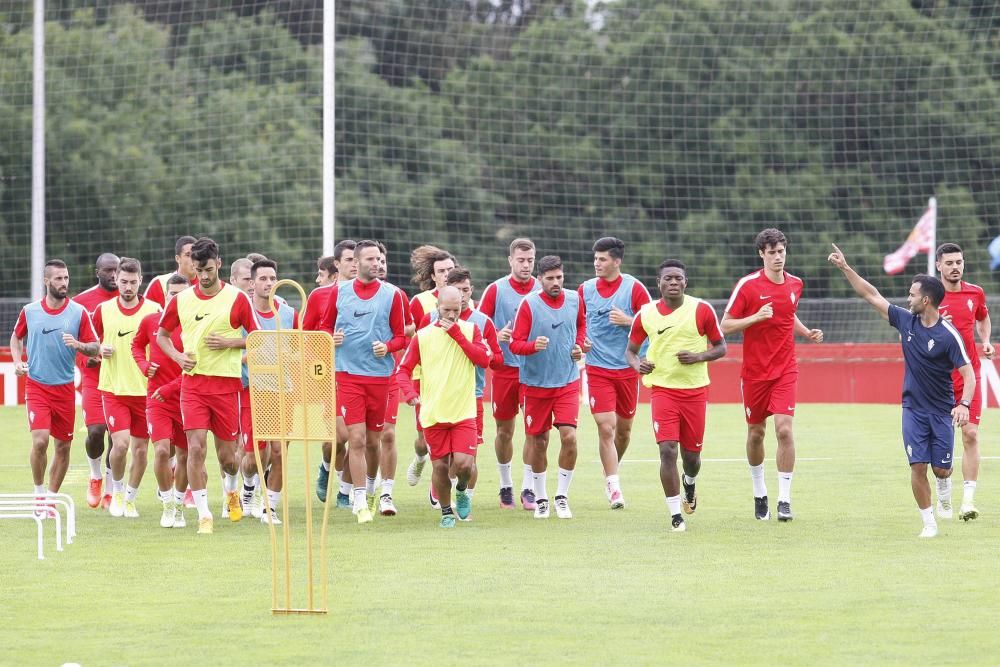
<point x="768" y="346"/>
<point x="316" y="306"/>
<point x="146" y="337"/>
<point x="966" y="307"/>
<point x="90" y="300"/>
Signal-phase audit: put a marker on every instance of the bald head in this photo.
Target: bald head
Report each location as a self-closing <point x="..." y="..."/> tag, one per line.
<point x="107" y="266"/>
<point x="449" y="303"/>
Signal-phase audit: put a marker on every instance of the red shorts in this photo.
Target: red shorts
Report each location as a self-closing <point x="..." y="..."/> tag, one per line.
<point x="560" y="407"/>
<point x="976" y="409"/>
<point x="164" y="422"/>
<point x="679" y="416"/>
<point x="246" y="423"/>
<point x="445" y="439"/>
<point x="762" y="398"/>
<point x="361" y="402"/>
<point x="125" y="413"/>
<point x="613" y="394"/>
<point x="93" y="409"/>
<point x="51" y="407"/>
<point x="416" y="409"/>
<point x="506" y="393"/>
<point x="218" y="413"/>
<point x="392" y="404"/>
<point x="479" y="420"/>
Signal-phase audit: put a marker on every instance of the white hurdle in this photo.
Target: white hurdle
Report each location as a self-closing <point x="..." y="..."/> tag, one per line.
<point x="38" y="508"/>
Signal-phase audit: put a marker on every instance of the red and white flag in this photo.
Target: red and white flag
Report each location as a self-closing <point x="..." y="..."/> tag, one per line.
<point x="921" y="239"/>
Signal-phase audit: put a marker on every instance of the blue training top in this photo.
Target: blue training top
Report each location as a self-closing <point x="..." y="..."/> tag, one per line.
<point x="49" y="360"/>
<point x="930" y="354"/>
<point x="364" y="322"/>
<point x="552" y="367"/>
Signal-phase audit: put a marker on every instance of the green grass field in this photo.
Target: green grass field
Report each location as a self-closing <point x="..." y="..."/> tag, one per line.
<point x="847" y="581"/>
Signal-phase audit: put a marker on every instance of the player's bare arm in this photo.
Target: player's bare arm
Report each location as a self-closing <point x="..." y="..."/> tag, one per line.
<point x="17" y="354"/>
<point x="716" y="351"/>
<point x="731" y="324"/>
<point x="815" y="335"/>
<point x="86" y="349"/>
<point x="167" y="345"/>
<point x="960" y="413"/>
<point x="984" y="328"/>
<point x="641" y="365"/>
<point x="863" y="288"/>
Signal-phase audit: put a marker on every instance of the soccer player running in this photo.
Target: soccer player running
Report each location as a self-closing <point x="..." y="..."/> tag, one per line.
<point x="763" y="307"/>
<point x="367" y="320"/>
<point x="430" y="266"/>
<point x="932" y="349"/>
<point x="210" y="316"/>
<point x="264" y="274"/>
<point x="964" y="306"/>
<point x="163" y="409"/>
<point x="461" y="279"/>
<point x="610" y="301"/>
<point x="549" y="331"/>
<point x="55" y="329"/>
<point x="499" y="302"/>
<point x="683" y="335"/>
<point x="346" y="269"/>
<point x="388" y="455"/>
<point x="156" y="291"/>
<point x="451" y="350"/>
<point x="98" y="493"/>
<point x="123" y="387"/>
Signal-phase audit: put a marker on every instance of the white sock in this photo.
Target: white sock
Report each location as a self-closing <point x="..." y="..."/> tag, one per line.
<point x="359" y="498"/>
<point x="689" y="480"/>
<point x="757" y="475"/>
<point x="201" y="502"/>
<point x="528" y="482"/>
<point x="346" y="487"/>
<point x="95" y="467"/>
<point x="420" y="458"/>
<point x="179" y="497"/>
<point x="230" y="483"/>
<point x="944" y="490"/>
<point x="40" y="489"/>
<point x="118" y="485"/>
<point x="613" y="482"/>
<point x="387" y="485"/>
<point x="928" y="516"/>
<point x="538" y="481"/>
<point x="370" y="485"/>
<point x="565" y="479"/>
<point x="130" y="493"/>
<point x="968" y="492"/>
<point x="674" y="505"/>
<point x="506" y="480"/>
<point x="454" y="483"/>
<point x="784" y="487"/>
<point x="326" y="465"/>
<point x="275" y="499"/>
<point x="470" y="492"/>
<point x="107" y="480"/>
<point x="166" y="497"/>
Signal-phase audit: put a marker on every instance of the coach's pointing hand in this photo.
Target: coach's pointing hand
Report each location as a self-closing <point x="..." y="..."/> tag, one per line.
<point x="837" y="258"/>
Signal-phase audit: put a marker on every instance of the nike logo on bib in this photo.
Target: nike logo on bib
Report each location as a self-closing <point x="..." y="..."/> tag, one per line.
<point x="660" y="331"/>
<point x="48" y="331"/>
<point x="556" y="325"/>
<point x="199" y="318"/>
<point x="361" y="313"/>
<point x="122" y="335"/>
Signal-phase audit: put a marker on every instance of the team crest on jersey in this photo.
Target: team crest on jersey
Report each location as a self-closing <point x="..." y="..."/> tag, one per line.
<point x="930" y="345"/>
<point x="969" y="304"/>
